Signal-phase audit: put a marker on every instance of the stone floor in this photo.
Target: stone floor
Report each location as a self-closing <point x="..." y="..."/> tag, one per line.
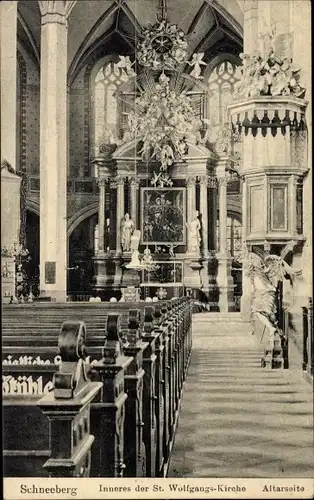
<point x="237" y="419"/>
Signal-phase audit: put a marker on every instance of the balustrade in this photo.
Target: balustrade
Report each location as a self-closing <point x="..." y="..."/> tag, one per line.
<point x="127" y="397"/>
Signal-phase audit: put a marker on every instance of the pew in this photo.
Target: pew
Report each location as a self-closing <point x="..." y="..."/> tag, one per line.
<point x="139" y="356"/>
<point x="68" y="407"/>
<point x="26" y="452"/>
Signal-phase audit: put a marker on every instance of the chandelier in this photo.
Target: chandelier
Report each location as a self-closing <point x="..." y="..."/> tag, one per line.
<point x="163" y="119"/>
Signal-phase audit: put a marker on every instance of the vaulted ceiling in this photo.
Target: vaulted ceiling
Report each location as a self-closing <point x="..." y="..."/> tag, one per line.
<point x="210" y="25"/>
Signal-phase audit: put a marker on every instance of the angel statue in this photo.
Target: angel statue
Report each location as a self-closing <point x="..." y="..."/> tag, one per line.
<point x="126" y="63"/>
<point x="166" y="156"/>
<point x="196" y="63"/>
<point x="127" y="228"/>
<point x="266" y="271"/>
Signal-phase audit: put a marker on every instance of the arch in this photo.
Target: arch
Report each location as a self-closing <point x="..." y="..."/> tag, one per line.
<point x="81" y="215"/>
<point x="33" y="206"/>
<point x="223" y="56"/>
<point x="105" y="49"/>
<point x="234" y="208"/>
<point x="34" y="52"/>
<point x="81" y="52"/>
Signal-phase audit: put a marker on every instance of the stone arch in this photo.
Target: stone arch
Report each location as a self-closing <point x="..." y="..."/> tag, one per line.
<point x="81" y="215"/>
<point x="33" y="206"/>
<point x="223" y="56"/>
<point x="234" y="209"/>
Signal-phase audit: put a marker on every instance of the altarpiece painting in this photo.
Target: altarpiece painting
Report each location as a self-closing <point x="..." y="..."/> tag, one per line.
<point x="163" y="216"/>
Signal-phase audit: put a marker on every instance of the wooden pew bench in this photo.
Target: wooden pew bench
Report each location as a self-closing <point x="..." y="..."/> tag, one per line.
<point x="142" y="383"/>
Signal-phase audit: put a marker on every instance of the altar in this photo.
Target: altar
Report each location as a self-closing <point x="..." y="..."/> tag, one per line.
<point x="172" y="219"/>
<point x="160" y="183"/>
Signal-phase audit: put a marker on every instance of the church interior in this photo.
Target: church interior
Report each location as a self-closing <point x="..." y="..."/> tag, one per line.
<point x="156" y="237"/>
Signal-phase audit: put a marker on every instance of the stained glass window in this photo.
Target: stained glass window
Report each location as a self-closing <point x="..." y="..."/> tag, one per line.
<point x="220" y="90"/>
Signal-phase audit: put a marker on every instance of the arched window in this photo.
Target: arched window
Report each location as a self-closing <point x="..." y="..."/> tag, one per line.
<point x="107" y="107"/>
<point x="220" y="90"/>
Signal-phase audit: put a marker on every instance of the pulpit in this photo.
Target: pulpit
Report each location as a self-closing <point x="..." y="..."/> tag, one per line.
<point x="272" y="136"/>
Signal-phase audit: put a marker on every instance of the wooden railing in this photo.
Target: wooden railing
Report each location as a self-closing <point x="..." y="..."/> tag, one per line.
<point x="126" y="394"/>
<point x="308" y="340"/>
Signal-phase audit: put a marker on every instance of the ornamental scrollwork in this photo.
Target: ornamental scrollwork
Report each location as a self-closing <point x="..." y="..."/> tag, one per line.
<point x="224" y="138"/>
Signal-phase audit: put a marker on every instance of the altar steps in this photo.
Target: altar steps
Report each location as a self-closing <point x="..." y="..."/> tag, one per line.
<point x="238" y="419"/>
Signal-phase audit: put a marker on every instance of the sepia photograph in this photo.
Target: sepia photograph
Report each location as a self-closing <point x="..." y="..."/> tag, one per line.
<point x="156" y="249"/>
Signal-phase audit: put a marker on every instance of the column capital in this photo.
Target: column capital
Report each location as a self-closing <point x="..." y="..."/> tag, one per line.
<point x="249" y="5"/>
<point x="101" y="181"/>
<point x="203" y="180"/>
<point x="191" y="181"/>
<point x="55" y="11"/>
<point x="120" y="181"/>
<point x="134" y="182"/>
<point x="222" y="181"/>
<point x="212" y="182"/>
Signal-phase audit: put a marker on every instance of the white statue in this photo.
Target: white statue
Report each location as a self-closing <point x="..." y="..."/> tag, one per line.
<point x="126" y="63"/>
<point x="196" y="63"/>
<point x="135" y="241"/>
<point x="147" y="257"/>
<point x="166" y="156"/>
<point x="127" y="228"/>
<point x="194" y="236"/>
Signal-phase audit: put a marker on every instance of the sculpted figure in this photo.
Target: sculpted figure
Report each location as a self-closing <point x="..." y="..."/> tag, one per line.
<point x="135" y="241"/>
<point x="265" y="272"/>
<point x="194" y="235"/>
<point x="127" y="228"/>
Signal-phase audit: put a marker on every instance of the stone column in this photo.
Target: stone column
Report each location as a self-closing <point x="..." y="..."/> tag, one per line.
<point x="134" y="187"/>
<point x="53" y="150"/>
<point x="8" y="44"/>
<point x="246" y="282"/>
<point x="224" y="278"/>
<point x="250" y="27"/>
<point x="101" y="215"/>
<point x="191" y="205"/>
<point x="204" y="213"/>
<point x="120" y="212"/>
<point x="10" y="182"/>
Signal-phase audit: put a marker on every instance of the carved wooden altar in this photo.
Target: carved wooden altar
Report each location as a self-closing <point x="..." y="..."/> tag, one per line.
<point x="164" y="215"/>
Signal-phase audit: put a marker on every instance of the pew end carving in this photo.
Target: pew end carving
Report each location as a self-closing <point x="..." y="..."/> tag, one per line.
<point x="67" y="407"/>
<point x="71" y="377"/>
